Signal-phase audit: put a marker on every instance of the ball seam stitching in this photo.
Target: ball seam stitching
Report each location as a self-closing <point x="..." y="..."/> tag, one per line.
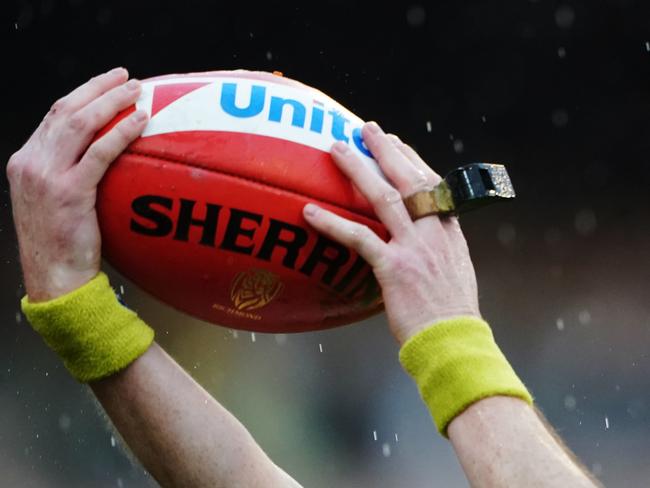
<point x="249" y="180"/>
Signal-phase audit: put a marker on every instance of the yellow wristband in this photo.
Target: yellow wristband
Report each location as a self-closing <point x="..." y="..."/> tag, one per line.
<point x="90" y="330"/>
<point x="456" y="363"/>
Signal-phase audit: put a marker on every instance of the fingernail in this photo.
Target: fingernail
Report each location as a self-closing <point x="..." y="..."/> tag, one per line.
<point x="140" y="116"/>
<point x="310" y="209"/>
<point x="115" y="71"/>
<point x="133" y="84"/>
<point x="340" y="147"/>
<point x="373" y="127"/>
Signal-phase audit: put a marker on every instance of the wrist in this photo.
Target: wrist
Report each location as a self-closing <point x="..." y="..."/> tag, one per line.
<point x="90" y="330"/>
<point x="54" y="281"/>
<point x="407" y="330"/>
<point x="455" y="364"/>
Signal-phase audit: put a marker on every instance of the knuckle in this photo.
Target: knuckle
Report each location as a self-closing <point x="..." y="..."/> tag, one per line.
<point x="126" y="132"/>
<point x="359" y="234"/>
<point x="77" y="122"/>
<point x="123" y="131"/>
<point x="13" y="166"/>
<point x="389" y="196"/>
<point x="99" y="152"/>
<point x="32" y="179"/>
<point x="59" y="106"/>
<point x="418" y="181"/>
<point x="396" y="141"/>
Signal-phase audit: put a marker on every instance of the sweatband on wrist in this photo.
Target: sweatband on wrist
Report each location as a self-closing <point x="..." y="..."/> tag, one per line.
<point x="456" y="363"/>
<point x="90" y="330"/>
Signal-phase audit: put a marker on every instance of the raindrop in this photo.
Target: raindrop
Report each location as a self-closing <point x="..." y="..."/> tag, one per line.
<point x="252" y="336"/>
<point x="585" y="222"/>
<point x="564" y="17"/>
<point x="320" y="347"/>
<point x="65" y="422"/>
<point x="606" y="423"/>
<point x="112" y="441"/>
<point x="396" y="438"/>
<point x="19" y="317"/>
<point x="584" y="317"/>
<point x="235" y="334"/>
<point x="374" y="434"/>
<point x="561" y="53"/>
<point x="570" y="402"/>
<point x="428" y="126"/>
<point x="385" y="449"/>
<point x="647" y="43"/>
<point x="483" y="118"/>
<point x="416" y="15"/>
<point x="559" y="323"/>
<point x="121" y="289"/>
<point x="16" y="26"/>
<point x="269" y="55"/>
<point x="458" y="146"/>
<point x="560" y="118"/>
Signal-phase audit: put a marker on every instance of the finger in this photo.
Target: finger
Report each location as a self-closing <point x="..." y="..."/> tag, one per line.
<point x="351" y="234"/>
<point x="87" y="92"/>
<point x="385" y="199"/>
<point x="433" y="223"/>
<point x="433" y="178"/>
<point x="105" y="150"/>
<point x="405" y="176"/>
<point x="83" y="124"/>
<point x="451" y="225"/>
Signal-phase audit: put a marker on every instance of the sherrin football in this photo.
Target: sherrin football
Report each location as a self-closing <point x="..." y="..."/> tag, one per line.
<point x="204" y="210"/>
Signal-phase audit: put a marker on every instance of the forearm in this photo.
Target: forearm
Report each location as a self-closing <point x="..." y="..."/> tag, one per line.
<point x="477" y="400"/>
<point x="502" y="442"/>
<point x="179" y="432"/>
<point x="182" y="435"/>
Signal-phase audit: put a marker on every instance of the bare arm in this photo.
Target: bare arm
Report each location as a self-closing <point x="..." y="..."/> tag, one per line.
<point x="426" y="276"/>
<point x="503" y="442"/>
<point x="183" y="436"/>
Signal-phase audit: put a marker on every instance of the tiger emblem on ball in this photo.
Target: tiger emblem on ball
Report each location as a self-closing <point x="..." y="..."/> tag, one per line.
<point x="254" y="288"/>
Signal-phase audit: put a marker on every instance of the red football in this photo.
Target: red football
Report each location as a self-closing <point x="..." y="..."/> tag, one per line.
<point x="204" y="211"/>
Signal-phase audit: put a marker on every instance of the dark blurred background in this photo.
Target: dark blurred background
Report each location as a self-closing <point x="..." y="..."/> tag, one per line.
<point x="558" y="91"/>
